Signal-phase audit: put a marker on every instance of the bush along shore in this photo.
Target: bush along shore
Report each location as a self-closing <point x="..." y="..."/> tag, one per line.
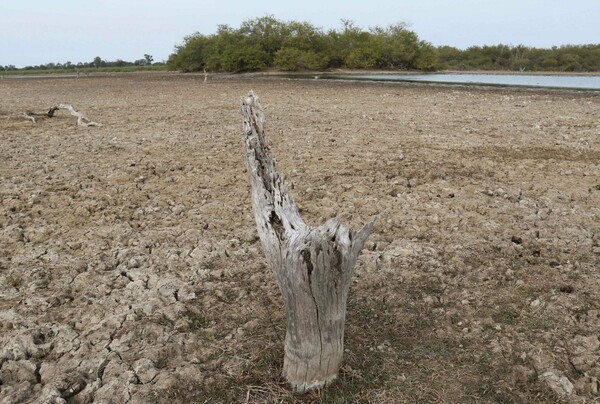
<point x="267" y="42"/>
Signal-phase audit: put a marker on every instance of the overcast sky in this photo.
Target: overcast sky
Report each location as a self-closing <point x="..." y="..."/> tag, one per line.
<point x="35" y="32"/>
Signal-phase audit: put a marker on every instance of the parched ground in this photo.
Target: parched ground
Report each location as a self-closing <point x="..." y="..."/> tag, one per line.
<point x="131" y="270"/>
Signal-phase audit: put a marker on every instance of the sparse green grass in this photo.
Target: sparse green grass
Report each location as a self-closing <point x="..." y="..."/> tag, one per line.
<point x="388" y="359"/>
<point x="163" y="320"/>
<point x="14" y="280"/>
<point x="197" y="321"/>
<point x="506" y="315"/>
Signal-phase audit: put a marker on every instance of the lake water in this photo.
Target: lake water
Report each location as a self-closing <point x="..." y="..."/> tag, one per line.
<point x="519" y="80"/>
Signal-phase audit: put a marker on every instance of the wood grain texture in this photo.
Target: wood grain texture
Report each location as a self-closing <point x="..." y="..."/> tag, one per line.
<point x="312" y="266"/>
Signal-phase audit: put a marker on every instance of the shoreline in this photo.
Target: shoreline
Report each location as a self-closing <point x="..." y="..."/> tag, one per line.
<point x="308" y="72"/>
<point x="408" y="72"/>
<point x="417" y="83"/>
<point x="305" y="77"/>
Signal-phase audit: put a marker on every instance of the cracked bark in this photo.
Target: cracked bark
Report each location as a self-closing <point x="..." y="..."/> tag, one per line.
<point x="312" y="266"/>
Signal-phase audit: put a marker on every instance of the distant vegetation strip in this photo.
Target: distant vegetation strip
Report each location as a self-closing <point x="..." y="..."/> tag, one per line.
<point x="86" y="70"/>
<point x="96" y="65"/>
<point x="270" y="43"/>
<point x="568" y="58"/>
<point x="267" y="42"/>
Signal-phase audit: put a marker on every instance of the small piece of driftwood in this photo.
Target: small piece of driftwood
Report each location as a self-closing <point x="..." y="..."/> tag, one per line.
<point x="82" y="120"/>
<point x="312" y="265"/>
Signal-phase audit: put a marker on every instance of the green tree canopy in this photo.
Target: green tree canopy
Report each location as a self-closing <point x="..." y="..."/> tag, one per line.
<point x="268" y="42"/>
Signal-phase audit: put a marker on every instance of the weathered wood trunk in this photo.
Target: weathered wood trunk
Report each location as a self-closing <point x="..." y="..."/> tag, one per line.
<point x="313" y="266"/>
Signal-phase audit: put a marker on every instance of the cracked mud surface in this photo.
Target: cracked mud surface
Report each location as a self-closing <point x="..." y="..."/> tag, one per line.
<point x="131" y="271"/>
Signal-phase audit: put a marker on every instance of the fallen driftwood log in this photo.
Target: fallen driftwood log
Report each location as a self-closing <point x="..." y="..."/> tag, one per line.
<point x="82" y="120"/>
<point x="33" y="115"/>
<point x="313" y="266"/>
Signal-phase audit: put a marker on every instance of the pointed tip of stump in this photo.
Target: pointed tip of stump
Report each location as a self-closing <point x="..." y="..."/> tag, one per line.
<point x="251" y="99"/>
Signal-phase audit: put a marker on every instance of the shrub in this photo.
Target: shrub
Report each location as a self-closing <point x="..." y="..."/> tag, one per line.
<point x="292" y="59"/>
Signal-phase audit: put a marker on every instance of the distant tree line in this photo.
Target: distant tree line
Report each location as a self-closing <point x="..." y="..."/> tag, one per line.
<point x="569" y="58"/>
<point x="97" y="63"/>
<point x="268" y="42"/>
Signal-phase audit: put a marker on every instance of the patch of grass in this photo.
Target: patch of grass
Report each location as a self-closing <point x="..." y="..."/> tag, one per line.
<point x="228" y="296"/>
<point x="197" y="321"/>
<point x="164" y="321"/>
<point x="188" y="393"/>
<point x="162" y="360"/>
<point x="494" y="383"/>
<point x="14" y="280"/>
<point x="580" y="311"/>
<point x="506" y="315"/>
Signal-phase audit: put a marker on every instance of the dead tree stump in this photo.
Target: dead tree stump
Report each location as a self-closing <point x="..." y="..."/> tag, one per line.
<point x="313" y="266"/>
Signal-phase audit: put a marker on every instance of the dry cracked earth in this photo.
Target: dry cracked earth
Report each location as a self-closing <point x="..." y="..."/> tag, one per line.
<point x="131" y="270"/>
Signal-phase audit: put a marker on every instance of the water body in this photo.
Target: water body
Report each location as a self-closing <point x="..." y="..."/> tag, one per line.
<point x="513" y="80"/>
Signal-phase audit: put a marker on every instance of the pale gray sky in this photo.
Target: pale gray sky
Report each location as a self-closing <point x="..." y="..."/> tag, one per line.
<point x="39" y="31"/>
